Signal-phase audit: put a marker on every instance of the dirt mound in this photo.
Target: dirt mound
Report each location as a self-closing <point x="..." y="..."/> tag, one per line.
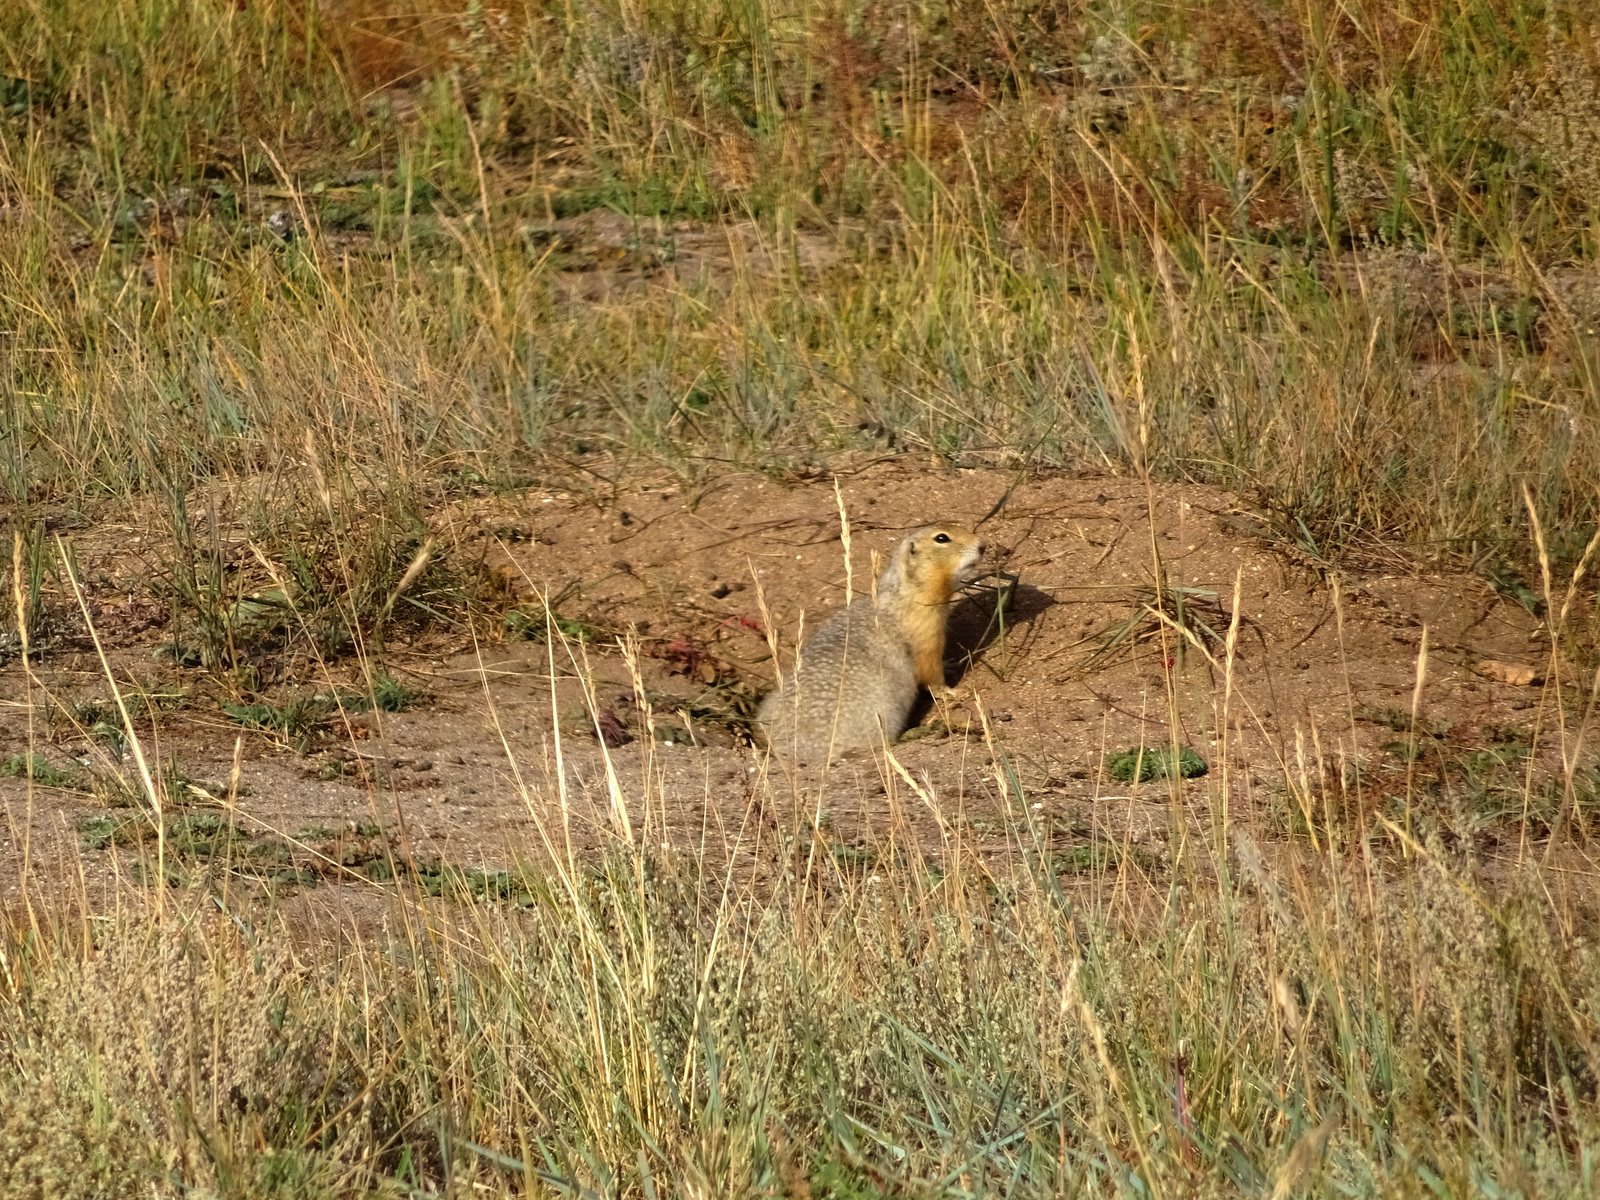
<point x="1077" y="668"/>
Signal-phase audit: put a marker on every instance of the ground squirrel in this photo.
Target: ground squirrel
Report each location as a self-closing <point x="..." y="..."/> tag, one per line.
<point x="859" y="673"/>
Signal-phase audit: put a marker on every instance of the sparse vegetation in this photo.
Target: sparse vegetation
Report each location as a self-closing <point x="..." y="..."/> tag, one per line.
<point x="1284" y="250"/>
<point x="298" y="718"/>
<point x="1155" y="762"/>
<point x="1279" y="1026"/>
<point x="1166" y="616"/>
<point x="36" y="768"/>
<point x="532" y="628"/>
<point x="284" y="287"/>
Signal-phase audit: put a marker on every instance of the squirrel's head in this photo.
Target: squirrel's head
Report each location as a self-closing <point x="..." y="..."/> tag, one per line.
<point x="945" y="552"/>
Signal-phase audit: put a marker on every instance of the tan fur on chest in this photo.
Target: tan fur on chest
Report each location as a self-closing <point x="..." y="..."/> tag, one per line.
<point x="924" y="620"/>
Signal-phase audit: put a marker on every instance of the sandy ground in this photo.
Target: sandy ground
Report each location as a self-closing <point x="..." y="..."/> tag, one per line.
<point x="470" y="774"/>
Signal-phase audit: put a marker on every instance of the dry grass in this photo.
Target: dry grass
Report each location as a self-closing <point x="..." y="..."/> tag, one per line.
<point x="1362" y="1007"/>
<point x="293" y="276"/>
<point x="1335" y="1018"/>
<point x="1337" y="262"/>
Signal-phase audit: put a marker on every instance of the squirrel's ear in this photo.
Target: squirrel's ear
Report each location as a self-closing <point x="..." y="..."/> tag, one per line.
<point x="911" y="546"/>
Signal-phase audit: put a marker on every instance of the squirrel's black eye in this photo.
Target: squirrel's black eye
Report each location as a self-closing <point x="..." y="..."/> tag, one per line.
<point x="941" y="538"/>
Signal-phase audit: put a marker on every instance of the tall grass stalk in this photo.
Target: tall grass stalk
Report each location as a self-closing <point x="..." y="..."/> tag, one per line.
<point x="1287" y="1017"/>
<point x="1241" y="232"/>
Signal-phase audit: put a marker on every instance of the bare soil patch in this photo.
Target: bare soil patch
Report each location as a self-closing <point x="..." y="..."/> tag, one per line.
<point x="469" y="775"/>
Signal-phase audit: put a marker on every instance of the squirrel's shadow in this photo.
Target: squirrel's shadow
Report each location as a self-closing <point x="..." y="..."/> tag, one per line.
<point x="976" y="623"/>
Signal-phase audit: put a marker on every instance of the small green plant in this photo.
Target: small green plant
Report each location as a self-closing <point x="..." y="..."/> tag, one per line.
<point x="297" y="719"/>
<point x="390" y="696"/>
<point x="34" y="767"/>
<point x="292" y="717"/>
<point x="1406" y="749"/>
<point x="457" y="883"/>
<point x="1481" y="764"/>
<point x="1155" y="762"/>
<point x="532" y="627"/>
<point x="1083" y="859"/>
<point x="100" y="722"/>
<point x="1506" y="582"/>
<point x="1397" y="719"/>
<point x="97" y="832"/>
<point x="203" y="836"/>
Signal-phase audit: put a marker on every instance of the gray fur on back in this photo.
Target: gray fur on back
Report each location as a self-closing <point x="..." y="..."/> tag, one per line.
<point x="855" y="687"/>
